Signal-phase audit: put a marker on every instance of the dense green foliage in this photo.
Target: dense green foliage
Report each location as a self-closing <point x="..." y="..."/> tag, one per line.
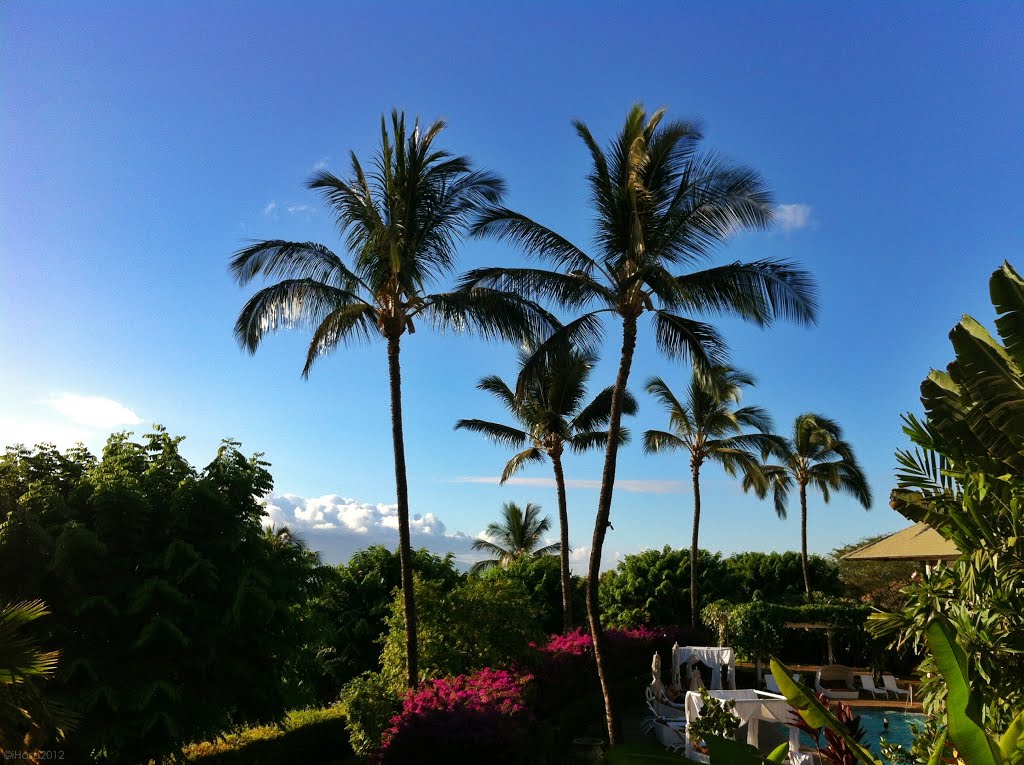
<point x="370" y="702"/>
<point x="171" y="609"/>
<point x="309" y="735"/>
<point x="480" y="622"/>
<point x="756" y="629"/>
<point x="351" y="608"/>
<point x="541" y="578"/>
<point x="653" y="587"/>
<point x="965" y="478"/>
<point x="778" y="576"/>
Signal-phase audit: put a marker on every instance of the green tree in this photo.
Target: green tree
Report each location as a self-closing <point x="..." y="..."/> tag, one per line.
<point x="481" y="622"/>
<point x="660" y="202"/>
<point x="653" y="587"/>
<point x="541" y="578"/>
<point x="964" y="477"/>
<point x="352" y="606"/>
<point x="711" y="427"/>
<point x="551" y="415"/>
<point x="778" y="577"/>
<point x="816" y="456"/>
<point x="402" y="223"/>
<point x="518" y="534"/>
<point x="172" y="613"/>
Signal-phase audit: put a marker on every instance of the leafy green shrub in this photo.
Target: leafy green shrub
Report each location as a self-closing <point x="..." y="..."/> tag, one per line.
<point x="369" y="702"/>
<point x="172" y="612"/>
<point x="541" y="578"/>
<point x="476" y="624"/>
<point x="653" y="587"/>
<point x="717" y="718"/>
<point x="307" y="735"/>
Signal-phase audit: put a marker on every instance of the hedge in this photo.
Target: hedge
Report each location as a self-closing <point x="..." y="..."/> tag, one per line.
<point x="306" y="735"/>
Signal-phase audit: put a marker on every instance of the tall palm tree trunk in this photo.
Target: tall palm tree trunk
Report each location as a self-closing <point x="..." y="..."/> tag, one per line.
<point x="402" y="490"/>
<point x="803" y="539"/>
<point x="604" y="508"/>
<point x="563" y="523"/>
<point x="693" y="544"/>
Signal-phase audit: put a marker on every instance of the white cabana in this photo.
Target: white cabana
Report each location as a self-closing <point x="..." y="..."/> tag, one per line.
<point x="716" y="658"/>
<point x="752" y="706"/>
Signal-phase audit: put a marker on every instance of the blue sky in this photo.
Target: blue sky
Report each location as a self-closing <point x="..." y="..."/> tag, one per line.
<point x="144" y="142"/>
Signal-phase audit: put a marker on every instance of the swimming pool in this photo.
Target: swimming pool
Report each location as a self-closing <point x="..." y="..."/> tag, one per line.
<point x="873" y="723"/>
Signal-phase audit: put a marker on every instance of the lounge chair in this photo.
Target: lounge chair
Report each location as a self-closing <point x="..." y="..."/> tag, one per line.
<point x="890" y="686"/>
<point x="867" y="683"/>
<point x="835" y="682"/>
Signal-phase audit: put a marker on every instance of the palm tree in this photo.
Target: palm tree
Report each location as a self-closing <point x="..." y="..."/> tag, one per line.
<point x="711" y="428"/>
<point x="27" y="713"/>
<point x="816" y="456"/>
<point x="551" y="416"/>
<point x="518" y="535"/>
<point x="402" y="223"/>
<point x="659" y="203"/>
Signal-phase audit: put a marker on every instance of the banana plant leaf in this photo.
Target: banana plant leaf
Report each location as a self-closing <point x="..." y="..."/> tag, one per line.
<point x="724" y="751"/>
<point x="815" y="713"/>
<point x="963" y="712"/>
<point x="1011" y="744"/>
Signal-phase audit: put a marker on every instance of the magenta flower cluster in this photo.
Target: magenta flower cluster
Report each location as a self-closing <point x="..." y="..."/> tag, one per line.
<point x="579" y="642"/>
<point x="482" y="716"/>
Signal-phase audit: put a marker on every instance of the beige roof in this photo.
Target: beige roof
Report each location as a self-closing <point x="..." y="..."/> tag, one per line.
<point x="919" y="542"/>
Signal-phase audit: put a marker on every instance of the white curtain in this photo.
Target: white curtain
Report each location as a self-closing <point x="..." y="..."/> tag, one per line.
<point x="715" y="658"/>
<point x="751" y="707"/>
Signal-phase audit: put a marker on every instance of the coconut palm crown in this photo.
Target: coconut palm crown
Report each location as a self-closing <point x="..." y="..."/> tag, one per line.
<point x="661" y="207"/>
<point x="551" y="415"/>
<point x="712" y="428"/>
<point x="518" y="534"/>
<point x="401" y="221"/>
<point x="816" y="456"/>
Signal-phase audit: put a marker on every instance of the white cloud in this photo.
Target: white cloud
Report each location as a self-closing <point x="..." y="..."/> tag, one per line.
<point x="270" y="210"/>
<point x="321" y="164"/>
<point x="93" y="411"/>
<point x="337" y="526"/>
<point x="635" y="486"/>
<point x="793" y="217"/>
<point x="296" y="209"/>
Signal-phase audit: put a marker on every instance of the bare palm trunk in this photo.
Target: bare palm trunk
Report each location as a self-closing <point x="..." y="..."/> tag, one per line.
<point x="693" y="545"/>
<point x="604" y="508"/>
<point x="803" y="539"/>
<point x="563" y="523"/>
<point x="402" y="490"/>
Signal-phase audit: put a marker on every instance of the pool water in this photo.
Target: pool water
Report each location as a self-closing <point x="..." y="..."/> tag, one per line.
<point x="873" y="723"/>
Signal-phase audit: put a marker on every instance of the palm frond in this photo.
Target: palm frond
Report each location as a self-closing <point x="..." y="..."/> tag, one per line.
<point x="504" y="435"/>
<point x="520" y="460"/>
<point x="574" y="290"/>
<point x="488" y="312"/>
<point x="598" y="412"/>
<point x="277" y="258"/>
<point x="288" y="304"/>
<point x="535" y="239"/>
<point x="688" y="340"/>
<point x="657" y="441"/>
<point x="348" y="324"/>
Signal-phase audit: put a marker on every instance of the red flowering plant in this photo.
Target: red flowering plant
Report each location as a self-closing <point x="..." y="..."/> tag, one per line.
<point x="482" y="717"/>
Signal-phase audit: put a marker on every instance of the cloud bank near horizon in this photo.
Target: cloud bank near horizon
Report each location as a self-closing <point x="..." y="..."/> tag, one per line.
<point x="337" y="527"/>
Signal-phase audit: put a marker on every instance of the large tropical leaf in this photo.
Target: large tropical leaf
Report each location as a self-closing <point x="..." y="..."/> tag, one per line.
<point x="963" y="710"/>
